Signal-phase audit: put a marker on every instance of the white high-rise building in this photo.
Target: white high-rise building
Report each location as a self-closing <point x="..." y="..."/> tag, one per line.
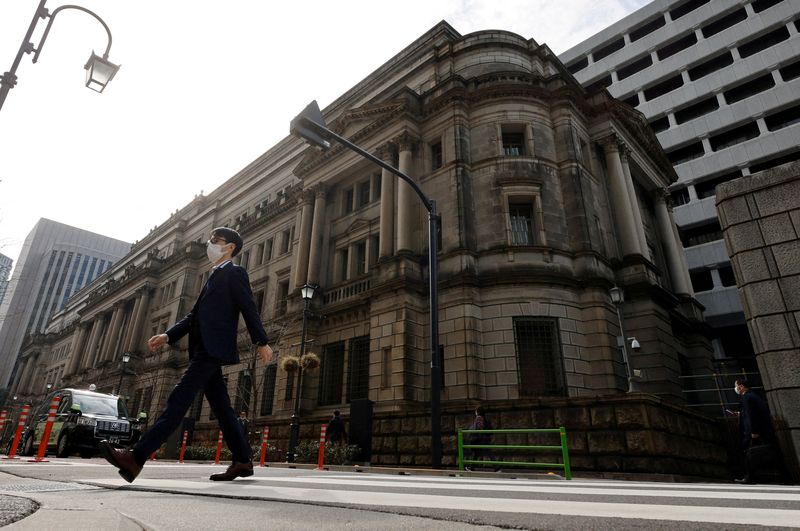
<point x="5" y="272"/>
<point x="719" y="82"/>
<point x="56" y="261"/>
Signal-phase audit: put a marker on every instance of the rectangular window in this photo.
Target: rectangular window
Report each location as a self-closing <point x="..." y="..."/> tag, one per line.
<point x="686" y="153"/>
<point x="268" y="249"/>
<point x="749" y="88"/>
<point x="707" y="188"/>
<point x="712" y="65"/>
<point x="344" y="256"/>
<point x="347" y="201"/>
<point x="513" y="143"/>
<point x="361" y="258"/>
<point x="286" y="241"/>
<point x="761" y="5"/>
<point x="358" y="369"/>
<point x="331" y="373"/>
<point x="386" y="373"/>
<point x="282" y="295"/>
<point x="636" y="66"/>
<point x="244" y="391"/>
<point x="709" y="232"/>
<point x="660" y="124"/>
<point x="696" y="110"/>
<point x="680" y="196"/>
<point x="763" y="42"/>
<point x="436" y="156"/>
<point x="290" y="379"/>
<point x="538" y="356"/>
<point x="363" y="194"/>
<point x="600" y="84"/>
<point x="726" y="276"/>
<point x="521" y="215"/>
<point x="647" y="28"/>
<point x="268" y="392"/>
<point x="663" y="87"/>
<point x="677" y="46"/>
<point x="608" y="49"/>
<point x="686" y="7"/>
<point x="258" y="296"/>
<point x="734" y="136"/>
<point x="701" y="280"/>
<point x="578" y="65"/>
<point x="245" y="261"/>
<point x="724" y="23"/>
<point x="783" y="118"/>
<point x="377" y="181"/>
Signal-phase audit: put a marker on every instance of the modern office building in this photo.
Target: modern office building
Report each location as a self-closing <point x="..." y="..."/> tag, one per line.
<point x="5" y="272"/>
<point x="719" y="82"/>
<point x="56" y="261"/>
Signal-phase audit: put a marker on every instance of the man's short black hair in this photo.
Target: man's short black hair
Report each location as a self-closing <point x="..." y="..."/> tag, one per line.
<point x="743" y="382"/>
<point x="230" y="236"/>
<point x="336" y="413"/>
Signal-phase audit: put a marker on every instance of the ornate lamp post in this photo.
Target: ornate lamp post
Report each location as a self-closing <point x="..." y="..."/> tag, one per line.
<point x="310" y="125"/>
<point x="307" y="292"/>
<point x="99" y="70"/>
<point x="125" y="359"/>
<point x="618" y="298"/>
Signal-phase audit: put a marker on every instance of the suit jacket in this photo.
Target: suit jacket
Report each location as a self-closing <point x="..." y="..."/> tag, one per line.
<point x="755" y="418"/>
<point x="214" y="319"/>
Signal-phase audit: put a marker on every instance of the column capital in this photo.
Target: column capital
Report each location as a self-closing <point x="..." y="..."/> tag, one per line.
<point x="320" y="191"/>
<point x="662" y="195"/>
<point x="610" y="143"/>
<point x="386" y="152"/>
<point x="624" y="152"/>
<point x="406" y="141"/>
<point x="306" y="197"/>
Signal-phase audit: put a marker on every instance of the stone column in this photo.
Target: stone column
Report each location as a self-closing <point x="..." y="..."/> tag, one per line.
<point x="30" y="369"/>
<point x="77" y="351"/>
<point x="634" y="201"/>
<point x="317" y="231"/>
<point x="626" y="224"/>
<point x="24" y="369"/>
<point x="110" y="344"/>
<point x="406" y="197"/>
<point x="388" y="179"/>
<point x="682" y="254"/>
<point x="97" y="331"/>
<point x="306" y="208"/>
<point x="138" y="318"/>
<point x="127" y="339"/>
<point x="671" y="249"/>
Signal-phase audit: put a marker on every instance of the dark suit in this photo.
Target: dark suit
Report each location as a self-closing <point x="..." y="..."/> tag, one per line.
<point x="212" y="328"/>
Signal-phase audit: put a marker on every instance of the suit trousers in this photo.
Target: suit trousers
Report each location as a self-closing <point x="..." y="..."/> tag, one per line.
<point x="203" y="374"/>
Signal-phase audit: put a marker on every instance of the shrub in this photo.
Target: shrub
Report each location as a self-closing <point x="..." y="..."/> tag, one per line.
<point x="335" y="454"/>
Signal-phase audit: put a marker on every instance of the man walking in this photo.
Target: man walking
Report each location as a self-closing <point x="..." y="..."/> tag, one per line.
<point x="755" y="426"/>
<point x="211" y="326"/>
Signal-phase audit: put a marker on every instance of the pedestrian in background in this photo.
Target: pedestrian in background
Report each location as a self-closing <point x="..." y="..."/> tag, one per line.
<point x="335" y="432"/>
<point x="479" y="422"/>
<point x="755" y="427"/>
<point x="245" y="424"/>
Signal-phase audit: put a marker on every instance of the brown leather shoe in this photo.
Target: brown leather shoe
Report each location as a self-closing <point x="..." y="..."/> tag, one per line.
<point x="122" y="459"/>
<point x="236" y="470"/>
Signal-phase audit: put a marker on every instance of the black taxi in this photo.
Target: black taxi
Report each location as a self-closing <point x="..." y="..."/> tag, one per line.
<point x="84" y="418"/>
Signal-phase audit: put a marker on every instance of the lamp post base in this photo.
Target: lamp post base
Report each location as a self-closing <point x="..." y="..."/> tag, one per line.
<point x="294" y="435"/>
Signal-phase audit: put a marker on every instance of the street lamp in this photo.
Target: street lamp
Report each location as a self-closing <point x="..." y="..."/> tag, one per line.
<point x="618" y="298"/>
<point x="310" y="125"/>
<point x="126" y="357"/>
<point x="99" y="70"/>
<point x="307" y="292"/>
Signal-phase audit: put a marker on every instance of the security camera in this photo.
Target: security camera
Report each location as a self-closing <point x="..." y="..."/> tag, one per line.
<point x="635" y="345"/>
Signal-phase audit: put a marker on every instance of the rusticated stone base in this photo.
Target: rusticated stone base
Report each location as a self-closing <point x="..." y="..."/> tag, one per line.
<point x="628" y="434"/>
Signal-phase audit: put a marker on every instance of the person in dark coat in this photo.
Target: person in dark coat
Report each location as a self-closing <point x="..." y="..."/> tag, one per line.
<point x="335" y="431"/>
<point x="480" y="422"/>
<point x="755" y="428"/>
<point x="212" y="327"/>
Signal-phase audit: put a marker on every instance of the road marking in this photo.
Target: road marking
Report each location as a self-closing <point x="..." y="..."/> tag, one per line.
<point x="692" y="513"/>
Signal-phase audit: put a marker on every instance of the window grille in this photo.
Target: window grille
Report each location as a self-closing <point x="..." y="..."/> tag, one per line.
<point x="268" y="392"/>
<point x="358" y="369"/>
<point x="539" y="356"/>
<point x="521" y="223"/>
<point x="513" y="144"/>
<point x="332" y="371"/>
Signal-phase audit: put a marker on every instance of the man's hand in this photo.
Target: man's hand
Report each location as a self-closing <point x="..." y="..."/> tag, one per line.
<point x="155" y="342"/>
<point x="265" y="353"/>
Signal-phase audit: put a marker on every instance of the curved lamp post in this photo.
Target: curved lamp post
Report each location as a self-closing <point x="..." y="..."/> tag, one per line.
<point x="125" y="359"/>
<point x="99" y="70"/>
<point x="618" y="297"/>
<point x="307" y="292"/>
<point x="310" y="125"/>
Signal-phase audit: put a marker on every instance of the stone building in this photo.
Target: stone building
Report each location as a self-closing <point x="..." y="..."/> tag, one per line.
<point x="548" y="195"/>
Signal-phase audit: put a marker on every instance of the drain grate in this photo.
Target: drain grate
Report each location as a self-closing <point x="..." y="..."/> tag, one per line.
<point x="44" y="486"/>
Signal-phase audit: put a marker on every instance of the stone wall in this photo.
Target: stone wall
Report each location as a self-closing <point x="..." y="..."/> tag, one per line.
<point x="760" y="217"/>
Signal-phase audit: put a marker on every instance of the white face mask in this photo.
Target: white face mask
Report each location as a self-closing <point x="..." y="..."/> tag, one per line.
<point x="214" y="252"/>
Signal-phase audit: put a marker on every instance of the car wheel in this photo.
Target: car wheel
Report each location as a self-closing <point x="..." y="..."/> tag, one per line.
<point x="62" y="450"/>
<point x="27" y="446"/>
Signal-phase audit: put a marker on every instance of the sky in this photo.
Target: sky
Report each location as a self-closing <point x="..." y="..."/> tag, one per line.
<point x="205" y="87"/>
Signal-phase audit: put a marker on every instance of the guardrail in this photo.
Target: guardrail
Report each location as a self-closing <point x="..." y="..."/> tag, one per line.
<point x="564" y="465"/>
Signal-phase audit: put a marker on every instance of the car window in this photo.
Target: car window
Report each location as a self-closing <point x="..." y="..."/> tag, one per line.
<point x="100" y="405"/>
<point x="65" y="404"/>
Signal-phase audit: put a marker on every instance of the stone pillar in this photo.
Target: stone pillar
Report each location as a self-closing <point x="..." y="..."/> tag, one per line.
<point x="672" y="250"/>
<point x="25" y="368"/>
<point x="634" y="201"/>
<point x="388" y="179"/>
<point x="406" y="197"/>
<point x="30" y="369"/>
<point x="685" y="269"/>
<point x="626" y="224"/>
<point x="140" y="312"/>
<point x="306" y="208"/>
<point x="110" y="344"/>
<point x="127" y="338"/>
<point x="77" y="350"/>
<point x="317" y="231"/>
<point x="97" y="330"/>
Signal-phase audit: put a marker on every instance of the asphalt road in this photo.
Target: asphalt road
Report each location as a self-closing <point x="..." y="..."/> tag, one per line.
<point x="88" y="494"/>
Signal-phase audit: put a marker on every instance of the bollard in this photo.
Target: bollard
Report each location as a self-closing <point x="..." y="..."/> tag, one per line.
<point x="183" y="445"/>
<point x="48" y="427"/>
<point x="23" y="416"/>
<point x="264" y="445"/>
<point x="219" y="448"/>
<point x="321" y="458"/>
<point x="153" y="456"/>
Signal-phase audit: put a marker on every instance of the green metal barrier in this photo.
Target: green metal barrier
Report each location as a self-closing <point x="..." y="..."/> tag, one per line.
<point x="564" y="465"/>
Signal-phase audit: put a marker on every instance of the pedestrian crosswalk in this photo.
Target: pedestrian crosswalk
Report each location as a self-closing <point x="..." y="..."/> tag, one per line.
<point x="726" y="504"/>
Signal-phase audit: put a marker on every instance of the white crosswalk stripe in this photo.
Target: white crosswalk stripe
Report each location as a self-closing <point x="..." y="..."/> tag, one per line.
<point x="699" y="503"/>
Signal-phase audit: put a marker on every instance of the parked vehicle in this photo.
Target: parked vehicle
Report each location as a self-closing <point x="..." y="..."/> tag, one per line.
<point x="84" y="418"/>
